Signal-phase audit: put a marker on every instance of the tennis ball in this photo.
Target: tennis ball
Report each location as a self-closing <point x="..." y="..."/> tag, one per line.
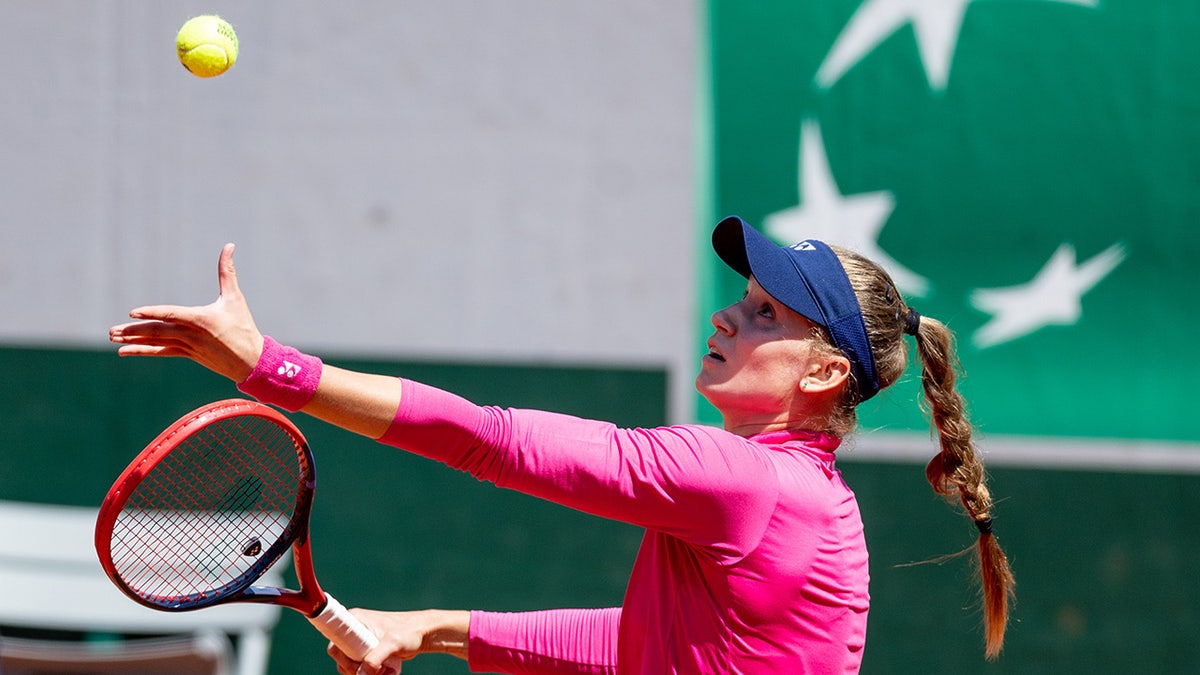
<point x="207" y="45"/>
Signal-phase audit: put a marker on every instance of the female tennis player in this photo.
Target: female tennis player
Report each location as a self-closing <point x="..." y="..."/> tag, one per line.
<point x="753" y="560"/>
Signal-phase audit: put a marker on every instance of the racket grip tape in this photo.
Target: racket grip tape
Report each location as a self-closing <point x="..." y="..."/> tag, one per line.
<point x="344" y="630"/>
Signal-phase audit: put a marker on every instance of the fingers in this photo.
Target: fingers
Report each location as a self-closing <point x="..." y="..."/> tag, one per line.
<point x="226" y="274"/>
<point x="149" y="350"/>
<point x="382" y="661"/>
<point x="192" y="316"/>
<point x="220" y="336"/>
<point x="156" y="338"/>
<point x="142" y="345"/>
<point x="189" y="316"/>
<point x="152" y="332"/>
<point x="347" y="666"/>
<point x="128" y="333"/>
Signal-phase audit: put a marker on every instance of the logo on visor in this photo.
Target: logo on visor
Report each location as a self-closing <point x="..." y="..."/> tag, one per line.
<point x="804" y="246"/>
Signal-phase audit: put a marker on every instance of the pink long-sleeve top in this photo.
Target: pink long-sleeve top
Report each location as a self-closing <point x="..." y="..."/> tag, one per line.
<point x="753" y="561"/>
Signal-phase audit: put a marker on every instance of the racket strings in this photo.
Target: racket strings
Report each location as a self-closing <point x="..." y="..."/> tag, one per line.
<point x="200" y="521"/>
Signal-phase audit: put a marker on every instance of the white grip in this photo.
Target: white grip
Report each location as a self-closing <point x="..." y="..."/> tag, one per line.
<point x="348" y="633"/>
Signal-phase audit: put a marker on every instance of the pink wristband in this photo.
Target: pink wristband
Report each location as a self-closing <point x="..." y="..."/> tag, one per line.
<point x="283" y="376"/>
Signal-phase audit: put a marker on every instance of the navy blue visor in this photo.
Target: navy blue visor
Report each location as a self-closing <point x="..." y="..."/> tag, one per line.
<point x="809" y="279"/>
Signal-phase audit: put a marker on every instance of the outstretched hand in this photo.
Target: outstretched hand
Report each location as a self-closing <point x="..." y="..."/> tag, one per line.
<point x="220" y="336"/>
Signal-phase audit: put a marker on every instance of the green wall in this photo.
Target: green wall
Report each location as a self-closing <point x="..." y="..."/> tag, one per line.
<point x="1105" y="577"/>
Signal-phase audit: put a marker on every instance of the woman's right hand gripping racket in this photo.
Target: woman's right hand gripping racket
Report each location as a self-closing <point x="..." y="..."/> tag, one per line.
<point x="208" y="507"/>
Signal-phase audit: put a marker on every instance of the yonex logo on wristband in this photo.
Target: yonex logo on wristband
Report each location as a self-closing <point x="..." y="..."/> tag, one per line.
<point x="289" y="369"/>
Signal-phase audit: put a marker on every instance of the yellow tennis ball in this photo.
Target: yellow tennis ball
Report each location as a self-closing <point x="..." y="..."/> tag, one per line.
<point x="207" y="45"/>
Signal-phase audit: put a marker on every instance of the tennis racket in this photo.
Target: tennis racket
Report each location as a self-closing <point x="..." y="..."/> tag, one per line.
<point x="208" y="507"/>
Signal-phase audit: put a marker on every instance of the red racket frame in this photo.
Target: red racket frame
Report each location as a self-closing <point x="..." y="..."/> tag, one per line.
<point x="310" y="599"/>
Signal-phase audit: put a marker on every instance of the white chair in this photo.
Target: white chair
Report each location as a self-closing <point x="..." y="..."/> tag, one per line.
<point x="206" y="653"/>
<point x="51" y="580"/>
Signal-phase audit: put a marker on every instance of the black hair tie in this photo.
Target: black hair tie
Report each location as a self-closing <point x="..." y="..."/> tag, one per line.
<point x="985" y="525"/>
<point x="912" y="321"/>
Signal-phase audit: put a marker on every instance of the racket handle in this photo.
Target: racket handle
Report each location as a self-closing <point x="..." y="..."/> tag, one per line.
<point x="344" y="630"/>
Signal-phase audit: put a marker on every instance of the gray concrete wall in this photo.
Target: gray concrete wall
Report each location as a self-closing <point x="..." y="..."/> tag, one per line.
<point x="454" y="180"/>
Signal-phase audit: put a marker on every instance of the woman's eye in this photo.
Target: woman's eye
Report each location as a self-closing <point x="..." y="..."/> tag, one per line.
<point x="767" y="311"/>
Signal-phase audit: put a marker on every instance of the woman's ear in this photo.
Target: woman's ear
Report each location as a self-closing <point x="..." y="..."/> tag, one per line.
<point x="824" y="375"/>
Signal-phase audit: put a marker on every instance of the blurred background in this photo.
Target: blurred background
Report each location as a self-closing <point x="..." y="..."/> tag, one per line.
<point x="513" y="199"/>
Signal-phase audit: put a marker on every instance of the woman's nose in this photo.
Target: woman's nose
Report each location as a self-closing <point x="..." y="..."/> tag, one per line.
<point x="721" y="321"/>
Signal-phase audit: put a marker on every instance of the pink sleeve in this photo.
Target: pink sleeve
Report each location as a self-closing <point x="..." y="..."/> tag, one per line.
<point x="582" y="641"/>
<point x="699" y="483"/>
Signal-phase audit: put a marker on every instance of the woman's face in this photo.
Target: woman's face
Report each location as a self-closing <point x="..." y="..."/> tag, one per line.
<point x="757" y="357"/>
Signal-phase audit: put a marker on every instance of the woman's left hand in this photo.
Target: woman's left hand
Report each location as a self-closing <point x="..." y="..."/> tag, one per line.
<point x="220" y="336"/>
